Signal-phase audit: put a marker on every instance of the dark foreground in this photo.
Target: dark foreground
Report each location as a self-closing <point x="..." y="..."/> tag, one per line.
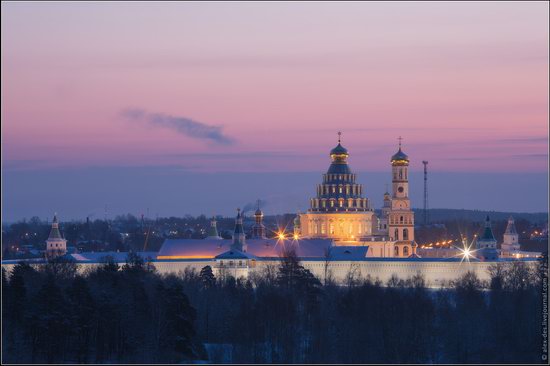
<point x="134" y="315"/>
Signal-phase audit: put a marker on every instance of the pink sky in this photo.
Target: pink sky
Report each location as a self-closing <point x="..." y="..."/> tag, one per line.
<point x="465" y="84"/>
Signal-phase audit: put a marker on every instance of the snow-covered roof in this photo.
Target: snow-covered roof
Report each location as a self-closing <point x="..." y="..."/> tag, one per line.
<point x="102" y="256"/>
<point x="270" y="248"/>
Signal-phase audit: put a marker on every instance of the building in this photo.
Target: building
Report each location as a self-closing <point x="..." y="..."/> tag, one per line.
<point x="510" y="242"/>
<point x="339" y="235"/>
<point x="510" y="247"/>
<point x="339" y="211"/>
<point x="258" y="230"/>
<point x="487" y="244"/>
<point x="56" y="245"/>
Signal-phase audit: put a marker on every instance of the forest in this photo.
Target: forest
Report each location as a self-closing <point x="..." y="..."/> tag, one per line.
<point x="55" y="313"/>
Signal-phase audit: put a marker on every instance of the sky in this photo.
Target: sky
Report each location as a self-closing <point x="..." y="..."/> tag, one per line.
<point x="225" y="100"/>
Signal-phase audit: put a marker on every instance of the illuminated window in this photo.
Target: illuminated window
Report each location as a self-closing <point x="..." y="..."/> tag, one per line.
<point x="323" y="228"/>
<point x="331" y="228"/>
<point x="339" y="189"/>
<point x="331" y="203"/>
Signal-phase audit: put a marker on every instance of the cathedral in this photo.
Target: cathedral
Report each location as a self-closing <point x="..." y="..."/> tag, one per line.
<point x="339" y="235"/>
<point x="342" y="213"/>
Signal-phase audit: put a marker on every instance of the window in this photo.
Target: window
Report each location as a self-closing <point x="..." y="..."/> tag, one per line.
<point x="240" y="263"/>
<point x="396" y="252"/>
<point x="396" y="234"/>
<point x="331" y="228"/>
<point x="405" y="251"/>
<point x="221" y="263"/>
<point x="401" y="219"/>
<point x="405" y="234"/>
<point x="230" y="263"/>
<point x="340" y="189"/>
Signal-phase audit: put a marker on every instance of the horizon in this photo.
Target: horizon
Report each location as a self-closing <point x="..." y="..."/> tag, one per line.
<point x="201" y="108"/>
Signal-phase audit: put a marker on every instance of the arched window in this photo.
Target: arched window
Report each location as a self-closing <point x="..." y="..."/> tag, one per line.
<point x="396" y="234"/>
<point x="396" y="252"/>
<point x="405" y="251"/>
<point x="405" y="234"/>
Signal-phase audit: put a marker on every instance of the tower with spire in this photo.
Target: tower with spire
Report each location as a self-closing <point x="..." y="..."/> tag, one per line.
<point x="56" y="245"/>
<point x="339" y="210"/>
<point x="401" y="216"/>
<point x="510" y="242"/>
<point x="239" y="237"/>
<point x="487" y="244"/>
<point x="258" y="230"/>
<point x="213" y="230"/>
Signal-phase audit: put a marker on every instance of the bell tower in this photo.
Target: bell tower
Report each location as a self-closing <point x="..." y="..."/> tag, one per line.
<point x="401" y="216"/>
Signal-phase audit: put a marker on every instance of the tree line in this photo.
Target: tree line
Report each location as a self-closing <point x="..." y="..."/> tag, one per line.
<point x="54" y="313"/>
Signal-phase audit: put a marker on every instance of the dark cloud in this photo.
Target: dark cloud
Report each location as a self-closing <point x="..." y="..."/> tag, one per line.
<point x="182" y="125"/>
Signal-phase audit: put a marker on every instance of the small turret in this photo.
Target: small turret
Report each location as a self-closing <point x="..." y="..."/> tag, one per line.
<point x="258" y="230"/>
<point x="487" y="244"/>
<point x="213" y="230"/>
<point x="239" y="237"/>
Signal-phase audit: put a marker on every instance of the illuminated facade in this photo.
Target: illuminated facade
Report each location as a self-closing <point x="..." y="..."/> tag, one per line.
<point x="400" y="220"/>
<point x="339" y="211"/>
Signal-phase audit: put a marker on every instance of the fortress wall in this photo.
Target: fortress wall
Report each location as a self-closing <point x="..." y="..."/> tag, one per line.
<point x="436" y="273"/>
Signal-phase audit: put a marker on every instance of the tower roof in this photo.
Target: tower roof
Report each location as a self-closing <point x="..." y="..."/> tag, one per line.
<point x="339" y="150"/>
<point x="258" y="211"/>
<point x="511" y="227"/>
<point x="400" y="155"/>
<point x="54" y="232"/>
<point x="488" y="232"/>
<point x="239" y="223"/>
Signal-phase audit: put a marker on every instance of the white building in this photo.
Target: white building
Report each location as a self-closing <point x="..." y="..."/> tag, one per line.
<point x="55" y="244"/>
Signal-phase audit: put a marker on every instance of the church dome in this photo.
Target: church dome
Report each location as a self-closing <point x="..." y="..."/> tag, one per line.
<point x="400" y="155"/>
<point x="339" y="150"/>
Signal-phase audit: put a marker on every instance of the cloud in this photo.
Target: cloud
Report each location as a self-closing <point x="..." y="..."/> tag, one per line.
<point x="181" y="125"/>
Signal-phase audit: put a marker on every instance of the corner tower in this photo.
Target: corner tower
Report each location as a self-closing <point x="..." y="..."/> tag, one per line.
<point x="55" y="245"/>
